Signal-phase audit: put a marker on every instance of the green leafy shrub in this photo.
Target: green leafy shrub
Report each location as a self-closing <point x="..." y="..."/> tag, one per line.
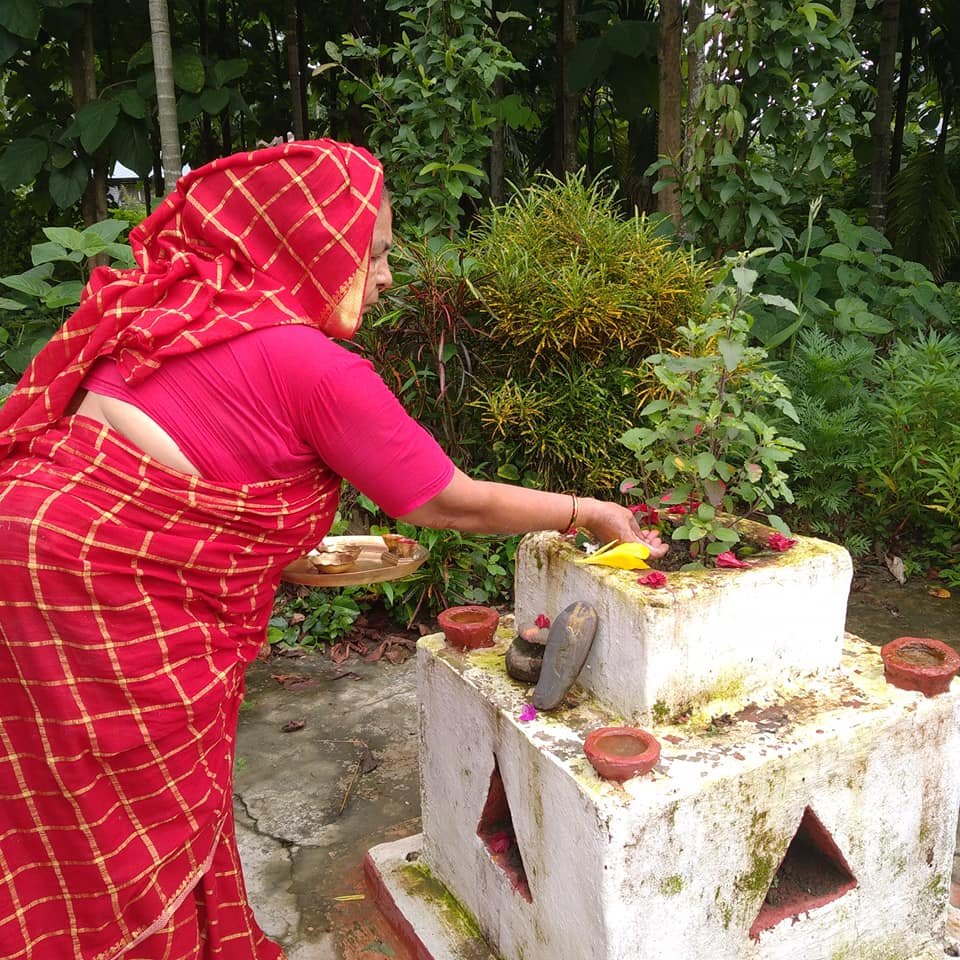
<point x="561" y="430"/>
<point x="43" y="296"/>
<point x="845" y="284"/>
<point x="315" y="619"/>
<point x="22" y="227"/>
<point x="831" y="381"/>
<point x="461" y="568"/>
<point x="576" y="295"/>
<point x="563" y="273"/>
<point x="913" y="477"/>
<point x="713" y="442"/>
<point x="424" y="341"/>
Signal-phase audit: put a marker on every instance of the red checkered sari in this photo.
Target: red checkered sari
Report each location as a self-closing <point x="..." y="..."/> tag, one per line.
<point x="132" y="596"/>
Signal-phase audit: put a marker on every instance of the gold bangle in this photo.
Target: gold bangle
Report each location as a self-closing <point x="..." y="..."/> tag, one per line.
<point x="571" y="526"/>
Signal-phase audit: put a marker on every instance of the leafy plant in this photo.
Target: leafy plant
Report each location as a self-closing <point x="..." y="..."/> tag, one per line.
<point x="561" y="271"/>
<point x="42" y="296"/>
<point x="576" y="294"/>
<point x="831" y="381"/>
<point x="779" y="103"/>
<point x="433" y="99"/>
<point x="845" y="284"/>
<point x="461" y="568"/>
<point x="713" y="442"/>
<point x="311" y="618"/>
<point x="912" y="479"/>
<point x="424" y="343"/>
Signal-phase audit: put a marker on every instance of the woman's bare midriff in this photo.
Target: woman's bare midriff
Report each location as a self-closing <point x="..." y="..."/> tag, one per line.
<point x="137" y="427"/>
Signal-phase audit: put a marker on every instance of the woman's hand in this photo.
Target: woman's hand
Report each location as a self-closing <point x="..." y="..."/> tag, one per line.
<point x="608" y="521"/>
<point x="481" y="506"/>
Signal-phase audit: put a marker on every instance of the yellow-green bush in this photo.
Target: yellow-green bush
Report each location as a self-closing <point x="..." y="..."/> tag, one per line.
<point x="576" y="295"/>
<point x="563" y="273"/>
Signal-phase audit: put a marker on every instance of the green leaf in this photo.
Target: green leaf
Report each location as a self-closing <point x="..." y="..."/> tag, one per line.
<point x="776" y="301"/>
<point x="508" y="472"/>
<point x="142" y="58"/>
<point x="822" y="93"/>
<point x="64" y="294"/>
<point x="66" y="237"/>
<point x="188" y="71"/>
<point x="8" y="45"/>
<point x="21" y="18"/>
<point x="131" y="146"/>
<point x="224" y="71"/>
<point x="588" y="61"/>
<point x="94" y="121"/>
<point x="21" y="162"/>
<point x="67" y="185"/>
<point x="726" y="534"/>
<point x="29" y="283"/>
<point x="732" y="352"/>
<point x="7" y="304"/>
<point x="131" y="103"/>
<point x="49" y="252"/>
<point x="745" y="278"/>
<point x="836" y="251"/>
<point x="107" y="230"/>
<point x="705" y="462"/>
<point x="214" y="101"/>
<point x="189" y="107"/>
<point x="655" y="406"/>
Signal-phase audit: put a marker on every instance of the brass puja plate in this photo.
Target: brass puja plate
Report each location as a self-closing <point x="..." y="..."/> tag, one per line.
<point x="374" y="564"/>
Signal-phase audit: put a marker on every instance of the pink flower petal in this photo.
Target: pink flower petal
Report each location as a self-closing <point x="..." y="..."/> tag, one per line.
<point x="499" y="842"/>
<point x="729" y="560"/>
<point x="528" y="712"/>
<point x="655" y="578"/>
<point x="777" y="541"/>
<point x="542" y="620"/>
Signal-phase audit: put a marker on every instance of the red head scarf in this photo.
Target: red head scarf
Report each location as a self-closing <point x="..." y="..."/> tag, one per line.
<point x="280" y="235"/>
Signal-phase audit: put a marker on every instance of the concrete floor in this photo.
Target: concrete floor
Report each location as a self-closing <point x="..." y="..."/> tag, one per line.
<point x="327" y="769"/>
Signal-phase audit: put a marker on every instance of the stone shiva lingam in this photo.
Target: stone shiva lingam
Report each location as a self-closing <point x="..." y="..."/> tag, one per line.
<point x="802" y="806"/>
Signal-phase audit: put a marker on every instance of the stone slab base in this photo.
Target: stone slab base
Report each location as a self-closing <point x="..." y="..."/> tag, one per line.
<point x="430" y="923"/>
<point x="422" y="912"/>
<point x="841" y="779"/>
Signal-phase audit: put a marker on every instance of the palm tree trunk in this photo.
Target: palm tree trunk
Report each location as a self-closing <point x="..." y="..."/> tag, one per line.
<point x="880" y="126"/>
<point x="166" y="95"/>
<point x="695" y="79"/>
<point x="908" y="15"/>
<point x="567" y="102"/>
<point x="84" y="79"/>
<point x="669" y="137"/>
<point x="293" y="69"/>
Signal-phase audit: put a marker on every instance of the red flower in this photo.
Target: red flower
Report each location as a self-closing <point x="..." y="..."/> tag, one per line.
<point x="542" y="620"/>
<point x="677" y="509"/>
<point x="499" y="842"/>
<point x="777" y="541"/>
<point x="697" y="429"/>
<point x="640" y="508"/>
<point x="728" y="559"/>
<point x="655" y="578"/>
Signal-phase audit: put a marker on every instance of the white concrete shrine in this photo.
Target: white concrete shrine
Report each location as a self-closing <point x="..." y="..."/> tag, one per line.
<point x="802" y="808"/>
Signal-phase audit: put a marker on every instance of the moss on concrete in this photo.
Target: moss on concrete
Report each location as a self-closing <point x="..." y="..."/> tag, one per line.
<point x="671" y="886"/>
<point x="418" y="881"/>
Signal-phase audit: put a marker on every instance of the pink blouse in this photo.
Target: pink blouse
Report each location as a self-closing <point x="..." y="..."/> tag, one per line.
<point x="277" y="401"/>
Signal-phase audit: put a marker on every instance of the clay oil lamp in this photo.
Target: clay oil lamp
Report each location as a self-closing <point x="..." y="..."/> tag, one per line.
<point x="921" y="664"/>
<point x="619" y="753"/>
<point x="470" y="626"/>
